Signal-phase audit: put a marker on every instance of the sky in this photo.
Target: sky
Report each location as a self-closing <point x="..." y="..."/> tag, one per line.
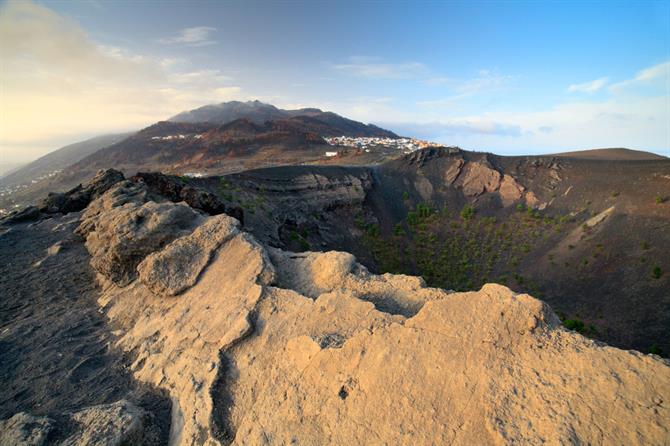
<point x="509" y="77"/>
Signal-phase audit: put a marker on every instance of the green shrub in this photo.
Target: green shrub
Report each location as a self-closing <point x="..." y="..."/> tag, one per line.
<point x="615" y="194"/>
<point x="574" y="324"/>
<point x="467" y="212"/>
<point x="520" y="207"/>
<point x="424" y="210"/>
<point x="656" y="272"/>
<point x="412" y="218"/>
<point x="373" y="230"/>
<point x="405" y="195"/>
<point x="645" y="245"/>
<point x="660" y="199"/>
<point x="398" y="229"/>
<point x="655" y="349"/>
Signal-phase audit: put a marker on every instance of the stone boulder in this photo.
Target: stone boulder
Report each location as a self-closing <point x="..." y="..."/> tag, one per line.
<point x="25" y="430"/>
<point x="116" y="424"/>
<point x="79" y="197"/>
<point x="29" y="213"/>
<point x="178" y="266"/>
<point x="119" y="238"/>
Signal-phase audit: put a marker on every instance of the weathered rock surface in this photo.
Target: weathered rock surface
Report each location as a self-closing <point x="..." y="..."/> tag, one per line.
<point x="178" y="266"/>
<point x="29" y="213"/>
<point x="25" y="430"/>
<point x="79" y="197"/>
<point x="269" y="347"/>
<point x="477" y="178"/>
<point x="172" y="189"/>
<point x="115" y="424"/>
<point x="120" y="232"/>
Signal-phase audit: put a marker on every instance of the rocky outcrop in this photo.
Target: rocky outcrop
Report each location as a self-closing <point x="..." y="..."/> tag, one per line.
<point x="78" y="198"/>
<point x="265" y="346"/>
<point x="115" y="424"/>
<point x="121" y="231"/>
<point x="29" y="213"/>
<point x="477" y="178"/>
<point x="173" y="189"/>
<point x="510" y="190"/>
<point x="25" y="430"/>
<point x="178" y="266"/>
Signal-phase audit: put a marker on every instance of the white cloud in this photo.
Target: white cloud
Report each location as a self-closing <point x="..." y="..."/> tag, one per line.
<point x="589" y="87"/>
<point x="647" y="76"/>
<point x="374" y="68"/>
<point x="486" y="81"/>
<point x="57" y="84"/>
<point x="196" y="36"/>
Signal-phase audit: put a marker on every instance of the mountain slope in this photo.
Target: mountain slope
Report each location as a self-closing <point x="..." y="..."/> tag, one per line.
<point x="618" y="154"/>
<point x="59" y="159"/>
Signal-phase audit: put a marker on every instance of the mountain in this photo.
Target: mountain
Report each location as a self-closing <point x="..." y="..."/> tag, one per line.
<point x="146" y="319"/>
<point x="313" y="119"/>
<point x="59" y="159"/>
<point x="215" y="139"/>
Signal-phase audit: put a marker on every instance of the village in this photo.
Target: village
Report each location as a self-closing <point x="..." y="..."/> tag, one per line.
<point x="371" y="144"/>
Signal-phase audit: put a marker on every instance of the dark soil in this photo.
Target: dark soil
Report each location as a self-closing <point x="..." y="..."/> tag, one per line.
<point x="56" y="350"/>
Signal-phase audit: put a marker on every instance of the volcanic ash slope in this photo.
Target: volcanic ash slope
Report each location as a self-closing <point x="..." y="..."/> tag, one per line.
<point x="260" y="346"/>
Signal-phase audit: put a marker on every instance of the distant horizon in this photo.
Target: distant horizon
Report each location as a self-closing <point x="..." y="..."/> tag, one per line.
<point x="388" y="126"/>
<point x="499" y="76"/>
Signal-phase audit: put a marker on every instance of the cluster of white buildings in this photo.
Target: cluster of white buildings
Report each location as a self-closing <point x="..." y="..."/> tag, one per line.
<point x="9" y="190"/>
<point x="371" y="144"/>
<point x="171" y="137"/>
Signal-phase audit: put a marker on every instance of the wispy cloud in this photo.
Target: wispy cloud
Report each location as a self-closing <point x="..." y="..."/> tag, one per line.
<point x="375" y="68"/>
<point x="486" y="81"/>
<point x="589" y="87"/>
<point x="195" y="36"/>
<point x="646" y="76"/>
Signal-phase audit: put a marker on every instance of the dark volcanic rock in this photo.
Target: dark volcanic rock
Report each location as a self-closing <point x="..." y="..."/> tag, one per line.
<point x="79" y="197"/>
<point x="174" y="190"/>
<point x="30" y="213"/>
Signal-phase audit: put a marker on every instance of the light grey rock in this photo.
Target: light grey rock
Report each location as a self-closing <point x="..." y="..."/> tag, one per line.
<point x="119" y="238"/>
<point x="115" y="424"/>
<point x="25" y="430"/>
<point x="178" y="266"/>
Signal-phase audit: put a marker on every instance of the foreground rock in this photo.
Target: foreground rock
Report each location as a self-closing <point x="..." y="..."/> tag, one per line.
<point x="114" y="424"/>
<point x="264" y="346"/>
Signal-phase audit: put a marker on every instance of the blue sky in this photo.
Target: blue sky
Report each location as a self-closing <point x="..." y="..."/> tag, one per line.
<point x="508" y="77"/>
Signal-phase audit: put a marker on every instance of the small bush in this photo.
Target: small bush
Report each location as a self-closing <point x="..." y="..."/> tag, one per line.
<point x="412" y="218"/>
<point x="405" y="195"/>
<point x="520" y="207"/>
<point x="467" y="212"/>
<point x="655" y="349"/>
<point x="615" y="194"/>
<point x="657" y="272"/>
<point x="574" y="324"/>
<point x="398" y="229"/>
<point x="660" y="199"/>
